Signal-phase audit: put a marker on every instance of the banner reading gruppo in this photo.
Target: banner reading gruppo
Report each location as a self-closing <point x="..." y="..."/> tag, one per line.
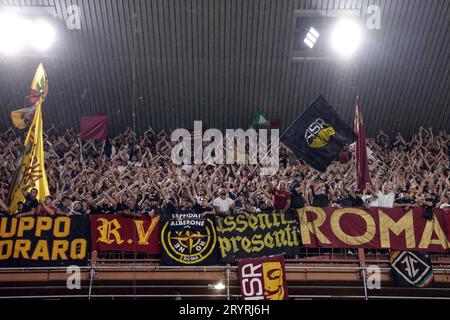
<point x="378" y="228"/>
<point x="244" y="235"/>
<point x="44" y="241"/>
<point x="127" y="234"/>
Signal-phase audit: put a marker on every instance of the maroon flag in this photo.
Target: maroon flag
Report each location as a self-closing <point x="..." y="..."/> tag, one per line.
<point x="362" y="167"/>
<point x="94" y="127"/>
<point x="127" y="234"/>
<point x="263" y="278"/>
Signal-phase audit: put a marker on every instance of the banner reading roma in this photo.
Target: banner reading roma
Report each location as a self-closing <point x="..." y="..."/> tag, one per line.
<point x="188" y="239"/>
<point x="44" y="241"/>
<point x="127" y="234"/>
<point x="379" y="228"/>
<point x="263" y="278"/>
<point x="244" y="235"/>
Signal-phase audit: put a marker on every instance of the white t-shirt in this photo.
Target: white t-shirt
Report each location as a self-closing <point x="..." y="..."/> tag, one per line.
<point x="386" y="200"/>
<point x="223" y="204"/>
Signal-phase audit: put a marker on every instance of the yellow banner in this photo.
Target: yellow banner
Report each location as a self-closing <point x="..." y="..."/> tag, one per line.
<point x="30" y="172"/>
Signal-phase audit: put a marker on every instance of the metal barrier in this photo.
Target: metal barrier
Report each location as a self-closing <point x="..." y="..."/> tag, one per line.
<point x="326" y="262"/>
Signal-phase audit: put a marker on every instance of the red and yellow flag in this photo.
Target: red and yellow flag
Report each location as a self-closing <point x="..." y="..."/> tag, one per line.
<point x="30" y="172"/>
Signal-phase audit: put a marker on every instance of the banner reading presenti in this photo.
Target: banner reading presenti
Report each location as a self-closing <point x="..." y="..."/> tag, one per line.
<point x="127" y="234"/>
<point x="244" y="235"/>
<point x="44" y="241"/>
<point x="378" y="228"/>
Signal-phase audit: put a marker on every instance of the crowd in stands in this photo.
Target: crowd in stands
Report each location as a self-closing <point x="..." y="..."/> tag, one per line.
<point x="134" y="175"/>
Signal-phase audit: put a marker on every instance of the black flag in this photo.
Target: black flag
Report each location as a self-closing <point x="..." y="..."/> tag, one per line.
<point x="318" y="135"/>
<point x="411" y="269"/>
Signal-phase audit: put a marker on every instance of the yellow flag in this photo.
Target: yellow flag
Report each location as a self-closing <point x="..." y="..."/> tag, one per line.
<point x="22" y="117"/>
<point x="39" y="89"/>
<point x="30" y="172"/>
<point x="39" y="85"/>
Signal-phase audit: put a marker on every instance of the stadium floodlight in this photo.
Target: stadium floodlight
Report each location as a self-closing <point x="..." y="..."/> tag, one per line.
<point x="311" y="37"/>
<point x="19" y="33"/>
<point x="46" y="36"/>
<point x="14" y="31"/>
<point x="346" y="37"/>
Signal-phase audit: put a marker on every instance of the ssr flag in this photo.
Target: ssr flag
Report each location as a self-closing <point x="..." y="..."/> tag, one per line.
<point x="263" y="278"/>
<point x="411" y="269"/>
<point x="318" y="135"/>
<point x="30" y="172"/>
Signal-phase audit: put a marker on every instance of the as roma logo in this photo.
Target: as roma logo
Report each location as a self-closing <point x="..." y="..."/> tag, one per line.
<point x="190" y="244"/>
<point x="319" y="133"/>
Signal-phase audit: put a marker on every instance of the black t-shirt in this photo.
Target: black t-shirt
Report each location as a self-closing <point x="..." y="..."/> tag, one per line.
<point x="346" y="202"/>
<point x="121" y="207"/>
<point x="105" y="209"/>
<point x="62" y="208"/>
<point x="320" y="201"/>
<point x="428" y="214"/>
<point x="199" y="209"/>
<point x="171" y="209"/>
<point x="156" y="210"/>
<point x="297" y="200"/>
<point x="405" y="201"/>
<point x="357" y="202"/>
<point x="29" y="204"/>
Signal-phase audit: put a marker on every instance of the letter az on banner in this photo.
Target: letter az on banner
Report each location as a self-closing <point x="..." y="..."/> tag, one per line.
<point x="44" y="241"/>
<point x="127" y="234"/>
<point x="378" y="228"/>
<point x="244" y="235"/>
<point x="263" y="278"/>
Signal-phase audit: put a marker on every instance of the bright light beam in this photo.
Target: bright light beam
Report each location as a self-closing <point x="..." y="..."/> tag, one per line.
<point x="346" y="37"/>
<point x="45" y="35"/>
<point x="14" y="31"/>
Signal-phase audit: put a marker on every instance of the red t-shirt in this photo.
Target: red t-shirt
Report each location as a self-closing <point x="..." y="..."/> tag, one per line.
<point x="280" y="198"/>
<point x="43" y="212"/>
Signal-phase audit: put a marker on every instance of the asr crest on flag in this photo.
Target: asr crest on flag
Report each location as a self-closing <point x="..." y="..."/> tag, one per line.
<point x="30" y="172"/>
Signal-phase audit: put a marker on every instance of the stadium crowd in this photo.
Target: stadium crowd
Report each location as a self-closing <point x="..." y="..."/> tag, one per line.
<point x="134" y="175"/>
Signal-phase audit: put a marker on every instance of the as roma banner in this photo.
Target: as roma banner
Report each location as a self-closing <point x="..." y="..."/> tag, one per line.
<point x="378" y="228"/>
<point x="188" y="239"/>
<point x="127" y="234"/>
<point x="244" y="235"/>
<point x="44" y="241"/>
<point x="263" y="278"/>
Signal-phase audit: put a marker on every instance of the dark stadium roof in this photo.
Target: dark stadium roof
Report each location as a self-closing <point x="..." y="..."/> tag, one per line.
<point x="174" y="61"/>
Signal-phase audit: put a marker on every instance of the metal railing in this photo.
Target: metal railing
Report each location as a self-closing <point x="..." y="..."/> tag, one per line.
<point x="328" y="262"/>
